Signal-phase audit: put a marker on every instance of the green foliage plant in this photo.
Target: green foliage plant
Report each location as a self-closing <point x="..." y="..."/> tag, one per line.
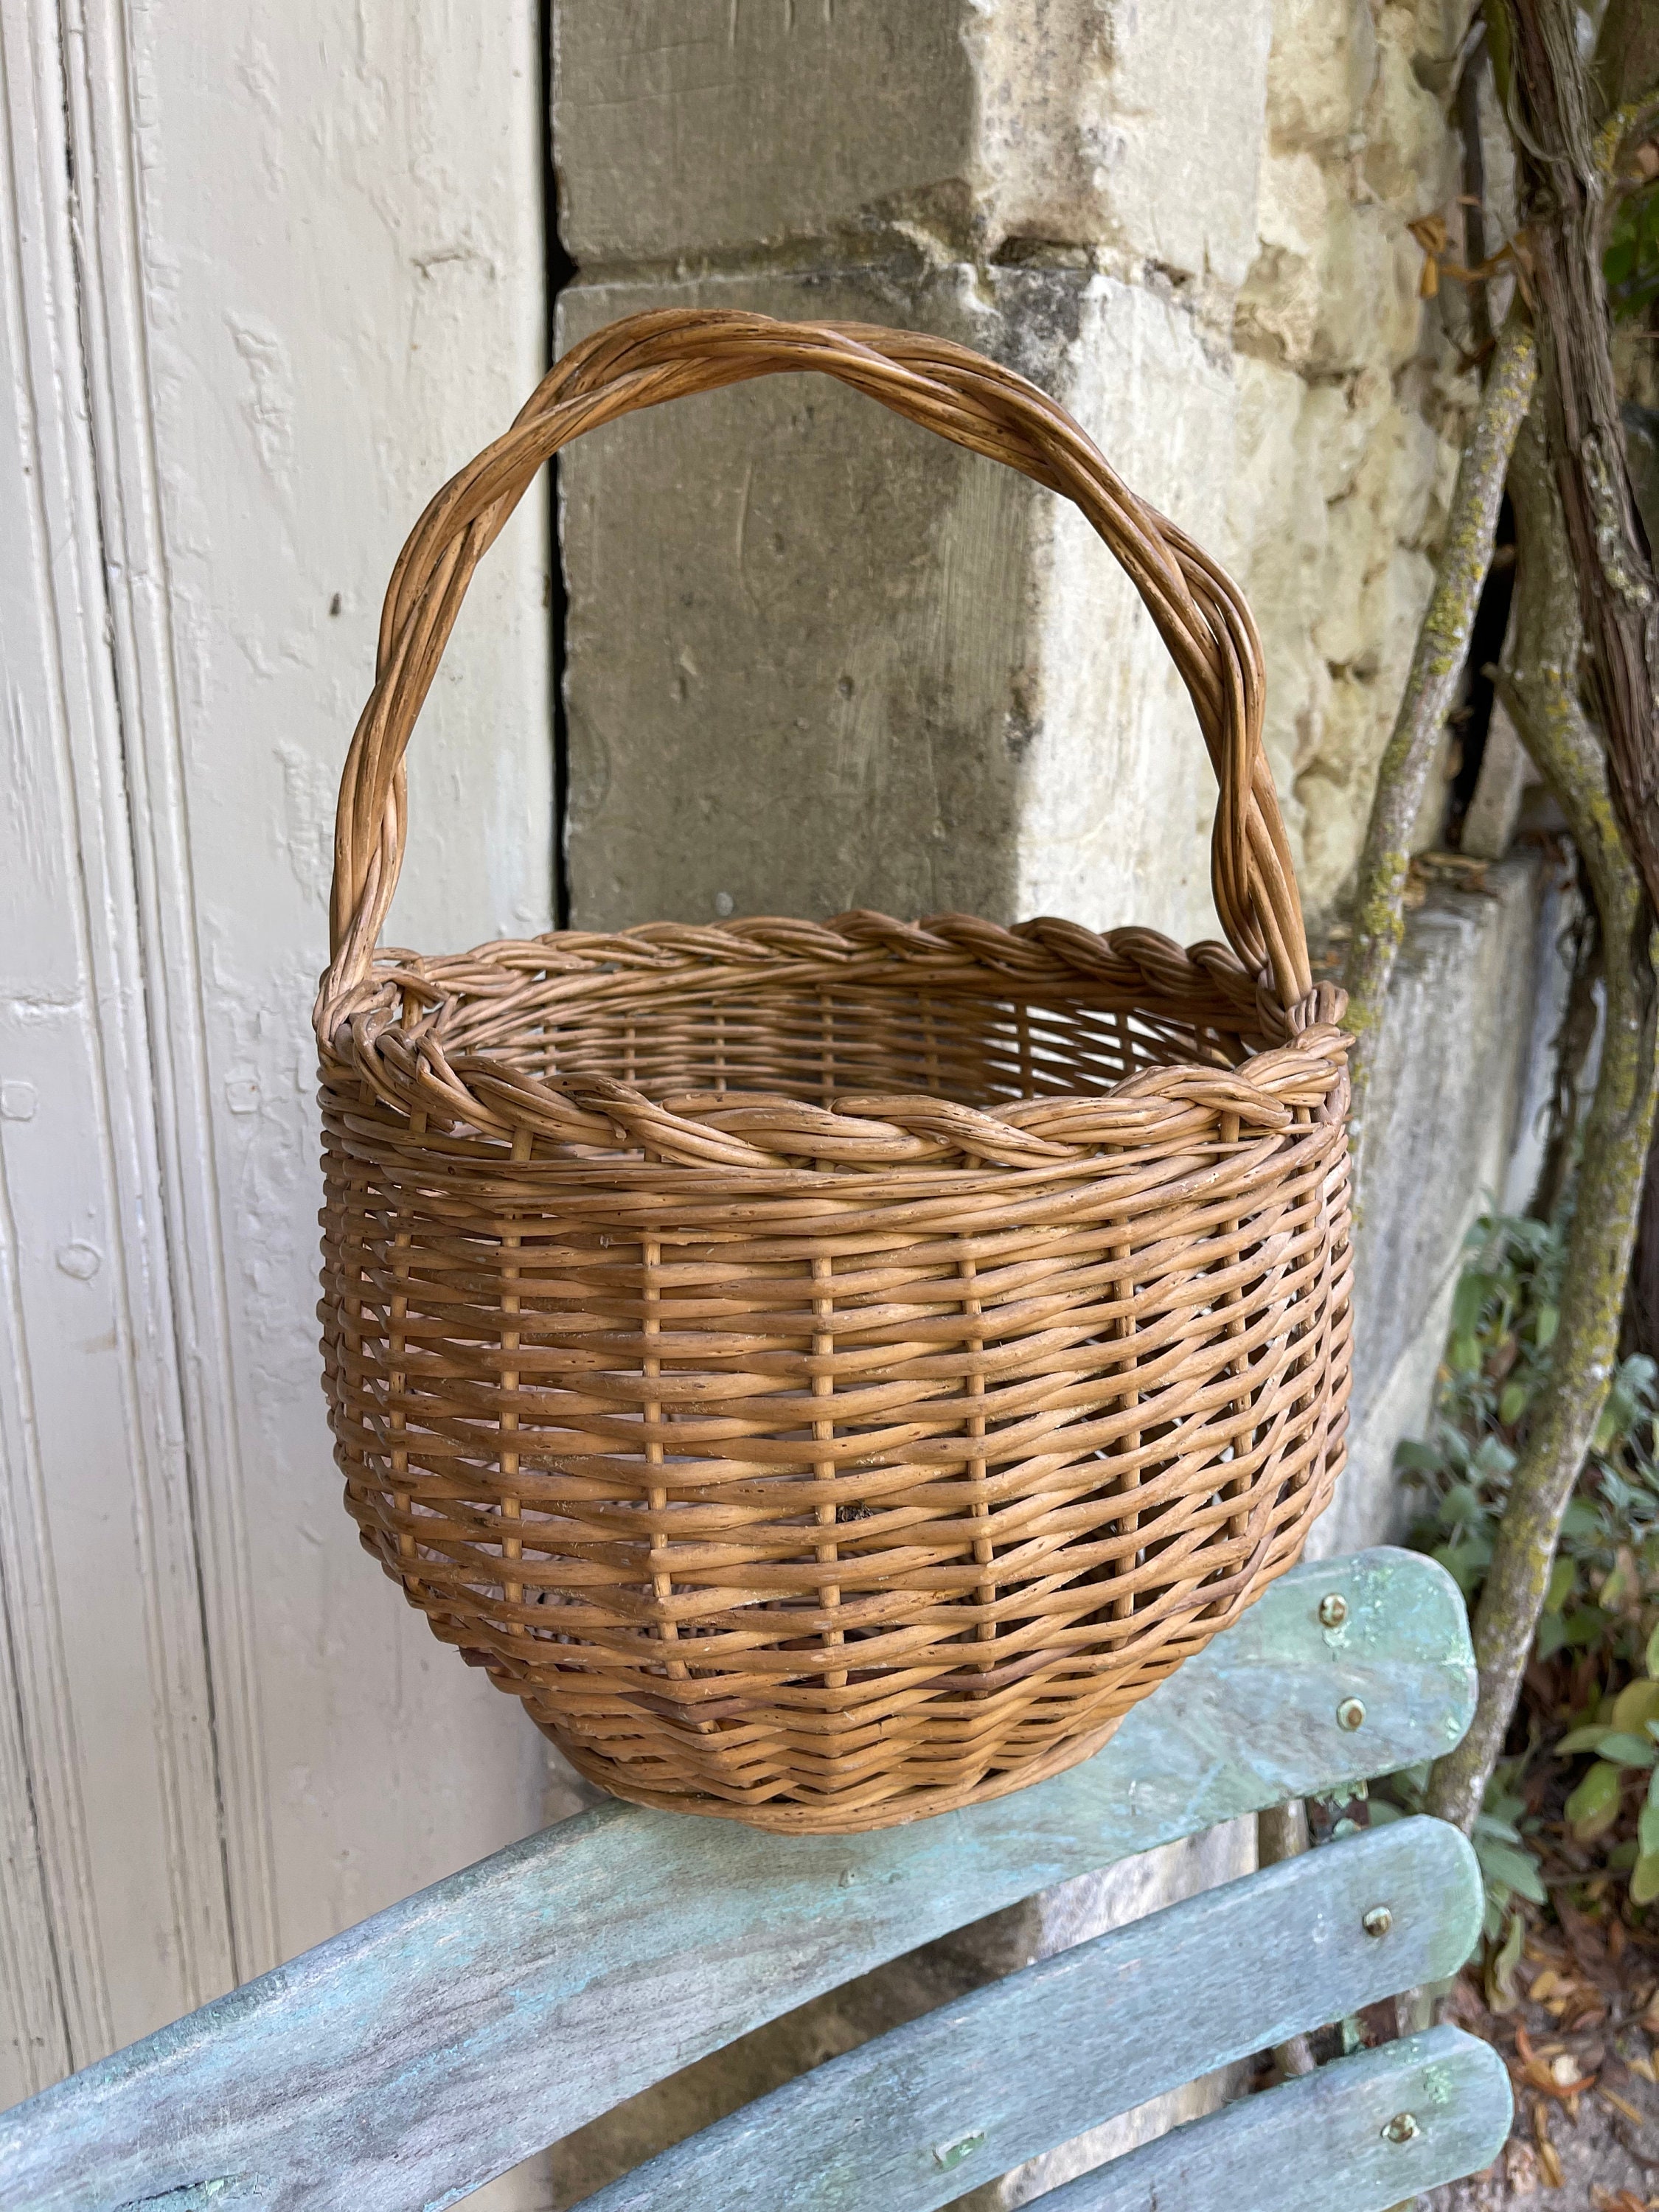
<point x="1602" y="1610"/>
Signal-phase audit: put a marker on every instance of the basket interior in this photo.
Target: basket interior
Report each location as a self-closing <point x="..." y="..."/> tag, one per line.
<point x="976" y="1046"/>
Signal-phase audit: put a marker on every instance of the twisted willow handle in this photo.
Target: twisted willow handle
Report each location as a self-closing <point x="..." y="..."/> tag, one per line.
<point x="646" y="359"/>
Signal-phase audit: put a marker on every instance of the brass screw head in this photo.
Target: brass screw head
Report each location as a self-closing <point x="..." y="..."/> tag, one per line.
<point x="1401" y="2129"/>
<point x="1333" y="1611"/>
<point x="1350" y="1713"/>
<point x="1377" y="1921"/>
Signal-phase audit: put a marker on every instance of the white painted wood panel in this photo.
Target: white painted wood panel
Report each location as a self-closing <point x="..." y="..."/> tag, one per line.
<point x="267" y="277"/>
<point x="117" y="1910"/>
<point x="340" y="264"/>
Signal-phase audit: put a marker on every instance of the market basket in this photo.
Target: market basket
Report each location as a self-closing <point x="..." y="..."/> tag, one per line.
<point x="831" y="1371"/>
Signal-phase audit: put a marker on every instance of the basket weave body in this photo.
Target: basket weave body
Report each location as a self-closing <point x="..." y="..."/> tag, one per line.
<point x="830" y="1372"/>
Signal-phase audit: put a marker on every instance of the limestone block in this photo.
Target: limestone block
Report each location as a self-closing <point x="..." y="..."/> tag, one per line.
<point x="1410" y="158"/>
<point x="796" y="640"/>
<point x="1319" y="72"/>
<point x="1117" y="797"/>
<point x="1341" y="421"/>
<point x="782" y="589"/>
<point x="1277" y="541"/>
<point x="1370" y="310"/>
<point x="1474" y="1001"/>
<point x="699" y="127"/>
<point x="1111" y="123"/>
<point x="1342" y="630"/>
<point x="1333" y="286"/>
<point x="1397" y="475"/>
<point x="817" y="659"/>
<point x="1280" y="304"/>
<point x="1335" y="790"/>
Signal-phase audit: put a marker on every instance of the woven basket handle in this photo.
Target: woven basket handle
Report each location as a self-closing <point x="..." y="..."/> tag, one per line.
<point x="646" y="359"/>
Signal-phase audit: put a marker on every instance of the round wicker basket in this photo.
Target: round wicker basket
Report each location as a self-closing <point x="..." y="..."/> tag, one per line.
<point x="831" y="1371"/>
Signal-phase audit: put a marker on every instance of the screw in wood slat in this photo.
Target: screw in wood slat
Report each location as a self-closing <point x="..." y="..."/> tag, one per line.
<point x="1401" y="2129"/>
<point x="1377" y="1921"/>
<point x="1350" y="1713"/>
<point x="1333" y="1611"/>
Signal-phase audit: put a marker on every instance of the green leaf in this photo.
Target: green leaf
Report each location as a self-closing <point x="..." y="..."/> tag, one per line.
<point x="1383" y="1813"/>
<point x="1651" y="1660"/>
<point x="1544" y="1323"/>
<point x="1461" y="1507"/>
<point x="1489" y="1823"/>
<point x="1494" y="1461"/>
<point x="1466" y="1564"/>
<point x="1647" y="1829"/>
<point x="1594" y="1805"/>
<point x="1502" y="1995"/>
<point x="1467" y="1301"/>
<point x="1584" y="1626"/>
<point x="1563" y="1575"/>
<point x="1417" y="1459"/>
<point x="1551" y="1635"/>
<point x="1626" y="1750"/>
<point x="1644" y="1878"/>
<point x="1513" y="1402"/>
<point x="1581" y="1523"/>
<point x="1463" y="1355"/>
<point x="1588" y="1738"/>
<point x="1517" y="1869"/>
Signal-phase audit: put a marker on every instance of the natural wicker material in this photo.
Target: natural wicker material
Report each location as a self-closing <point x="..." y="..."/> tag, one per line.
<point x="831" y="1371"/>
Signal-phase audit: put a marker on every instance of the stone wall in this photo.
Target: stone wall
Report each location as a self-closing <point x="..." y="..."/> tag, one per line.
<point x="1189" y="226"/>
<point x="1351" y="399"/>
<point x="817" y="660"/>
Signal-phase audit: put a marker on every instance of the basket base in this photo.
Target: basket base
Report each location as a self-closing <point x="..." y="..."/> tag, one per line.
<point x="786" y="1817"/>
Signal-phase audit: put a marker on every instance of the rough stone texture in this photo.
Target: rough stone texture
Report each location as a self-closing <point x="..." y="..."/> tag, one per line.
<point x="944" y="671"/>
<point x="938" y="664"/>
<point x="1200" y="245"/>
<point x="817" y="659"/>
<point x="1345" y="383"/>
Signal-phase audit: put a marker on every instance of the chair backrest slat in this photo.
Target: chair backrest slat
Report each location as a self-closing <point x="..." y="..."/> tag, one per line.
<point x="418" y="2055"/>
<point x="1335" y="2138"/>
<point x="931" y="2110"/>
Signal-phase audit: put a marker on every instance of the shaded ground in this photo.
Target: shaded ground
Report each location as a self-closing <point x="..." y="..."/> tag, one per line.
<point x="1580" y="2047"/>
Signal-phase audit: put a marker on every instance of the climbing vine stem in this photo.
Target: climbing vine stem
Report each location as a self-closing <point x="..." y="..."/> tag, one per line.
<point x="1442" y="645"/>
<point x="1540" y="688"/>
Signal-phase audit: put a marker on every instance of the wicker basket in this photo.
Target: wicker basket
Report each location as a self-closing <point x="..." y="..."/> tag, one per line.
<point x="831" y="1371"/>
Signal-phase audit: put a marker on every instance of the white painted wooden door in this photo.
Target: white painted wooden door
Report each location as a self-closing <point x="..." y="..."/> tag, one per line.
<point x="267" y="276"/>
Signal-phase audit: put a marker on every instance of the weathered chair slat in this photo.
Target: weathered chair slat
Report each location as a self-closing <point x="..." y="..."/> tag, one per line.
<point x="1333" y="2139"/>
<point x="914" y="2119"/>
<point x="416" y="2056"/>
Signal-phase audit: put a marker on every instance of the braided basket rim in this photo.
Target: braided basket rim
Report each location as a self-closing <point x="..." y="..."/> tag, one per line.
<point x="396" y="1032"/>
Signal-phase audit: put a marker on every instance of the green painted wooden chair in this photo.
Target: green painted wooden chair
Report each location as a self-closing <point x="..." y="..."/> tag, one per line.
<point x="411" y="2059"/>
